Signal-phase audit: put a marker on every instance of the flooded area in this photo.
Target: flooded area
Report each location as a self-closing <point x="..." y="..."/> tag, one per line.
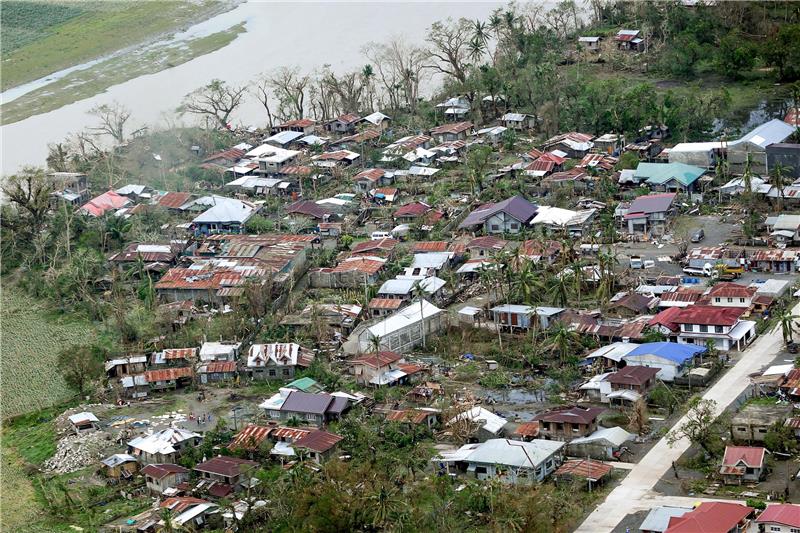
<point x="276" y="35"/>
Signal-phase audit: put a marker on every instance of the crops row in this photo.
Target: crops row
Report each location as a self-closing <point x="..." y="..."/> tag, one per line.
<point x="26" y="22"/>
<point x="31" y="341"/>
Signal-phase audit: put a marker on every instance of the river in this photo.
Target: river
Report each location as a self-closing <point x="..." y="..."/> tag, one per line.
<point x="305" y="34"/>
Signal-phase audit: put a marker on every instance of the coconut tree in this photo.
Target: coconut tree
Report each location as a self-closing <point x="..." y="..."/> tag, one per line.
<point x="788" y="326"/>
<point x="558" y="287"/>
<point x="562" y="341"/>
<point x="779" y="182"/>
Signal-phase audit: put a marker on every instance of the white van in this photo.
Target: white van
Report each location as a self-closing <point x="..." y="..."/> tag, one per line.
<point x="378" y="235"/>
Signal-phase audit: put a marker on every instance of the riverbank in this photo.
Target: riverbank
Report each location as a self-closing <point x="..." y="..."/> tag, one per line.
<point x="43" y="38"/>
<point x="85" y="83"/>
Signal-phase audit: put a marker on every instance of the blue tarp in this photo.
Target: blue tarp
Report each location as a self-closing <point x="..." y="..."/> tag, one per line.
<point x="673" y="351"/>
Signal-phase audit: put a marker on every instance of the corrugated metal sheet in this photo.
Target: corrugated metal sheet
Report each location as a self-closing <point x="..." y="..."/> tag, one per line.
<point x="168" y="374"/>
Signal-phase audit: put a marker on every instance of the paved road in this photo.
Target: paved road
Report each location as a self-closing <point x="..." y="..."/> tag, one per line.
<point x="636" y="489"/>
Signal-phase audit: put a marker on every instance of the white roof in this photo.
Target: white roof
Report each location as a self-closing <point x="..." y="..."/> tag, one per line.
<point x="771" y="132"/>
<point x="82" y="417"/>
<point x="624" y="394"/>
<point x="615" y="436"/>
<point x="271" y="154"/>
<point x="397" y="286"/>
<point x="193" y="512"/>
<point x="432" y="284"/>
<point x="598" y="382"/>
<point x="403" y="318"/>
<point x="475" y="266"/>
<point x="419" y="153"/>
<point x="588" y="39"/>
<point x="514" y="309"/>
<point x="282" y="448"/>
<point x="514" y="117"/>
<point x="131" y="189"/>
<point x="491" y="422"/>
<point x="210" y="350"/>
<point x="422" y="171"/>
<point x="658" y="518"/>
<point x="129" y="381"/>
<point x="376" y="118"/>
<point x="313" y="140"/>
<point x="390" y="376"/>
<point x="334" y="201"/>
<point x="698" y="147"/>
<point x="469" y="310"/>
<point x="512" y="453"/>
<point x="494" y="130"/>
<point x="251" y="182"/>
<point x="435" y="260"/>
<point x="280" y="353"/>
<point x="118" y="459"/>
<point x="274" y="402"/>
<point x="227" y="210"/>
<point x="778" y="369"/>
<point x="555" y="216"/>
<point x="615" y="352"/>
<point x="162" y="441"/>
<point x="284" y="137"/>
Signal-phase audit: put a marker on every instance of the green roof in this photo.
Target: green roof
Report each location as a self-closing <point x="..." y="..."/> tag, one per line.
<point x="660" y="173"/>
<point x="304" y="384"/>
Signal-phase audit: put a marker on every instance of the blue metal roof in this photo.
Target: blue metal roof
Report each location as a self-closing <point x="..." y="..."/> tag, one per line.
<point x="668" y="350"/>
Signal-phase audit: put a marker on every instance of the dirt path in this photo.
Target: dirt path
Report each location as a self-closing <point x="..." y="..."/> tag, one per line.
<point x="636" y="489"/>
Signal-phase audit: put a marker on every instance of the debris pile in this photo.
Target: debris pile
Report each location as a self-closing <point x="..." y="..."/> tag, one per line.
<point x="74" y="452"/>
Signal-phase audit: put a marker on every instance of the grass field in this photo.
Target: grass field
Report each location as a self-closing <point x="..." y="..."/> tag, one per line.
<point x="96" y="79"/>
<point x="31" y="340"/>
<point x="43" y="37"/>
<point x="17" y="495"/>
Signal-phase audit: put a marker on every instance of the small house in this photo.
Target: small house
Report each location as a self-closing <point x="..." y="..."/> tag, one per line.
<point x="456" y="131"/>
<point x="478" y="424"/>
<point x="217" y="371"/>
<point x="743" y="464"/>
<point x="518" y="121"/>
<point x="487" y="246"/>
<point x="277" y="360"/>
<point x="604" y="444"/>
<point x="303" y="125"/>
<point x="572" y="145"/>
<point x="753" y="421"/>
<point x="343" y="124"/>
<point x="220" y="351"/>
<point x="567" y="423"/>
<point x="160" y="477"/>
<point x="415" y="417"/>
<point x="586" y="471"/>
<point x="315" y="409"/>
<point x="164" y="446"/>
<point x="631" y="383"/>
<point x="83" y="422"/>
<point x="120" y="466"/>
<point x="650" y="214"/>
<point x="779" y="518"/>
<point x="318" y="445"/>
<point x="378" y="119"/>
<point x="405" y="329"/>
<point x="513" y="462"/>
<point x="590" y="43"/>
<point x="508" y="216"/>
<point x="229" y="474"/>
<point x="630" y="40"/>
<point x="712" y="516"/>
<point x="369" y="368"/>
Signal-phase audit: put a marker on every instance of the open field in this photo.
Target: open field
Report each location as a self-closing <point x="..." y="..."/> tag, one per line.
<point x="17" y="497"/>
<point x="85" y="83"/>
<point x="40" y="38"/>
<point x="30" y="343"/>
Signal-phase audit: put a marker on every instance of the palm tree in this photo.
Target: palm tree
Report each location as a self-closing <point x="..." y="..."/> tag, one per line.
<point x="788" y="326"/>
<point x="419" y="292"/>
<point x="779" y="182"/>
<point x="562" y="340"/>
<point x="558" y="288"/>
<point x="375" y="343"/>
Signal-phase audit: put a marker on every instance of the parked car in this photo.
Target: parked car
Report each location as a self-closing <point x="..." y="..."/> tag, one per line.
<point x="378" y="235"/>
<point x="698" y="235"/>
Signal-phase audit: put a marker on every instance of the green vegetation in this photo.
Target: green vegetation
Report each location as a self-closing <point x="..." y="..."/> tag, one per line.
<point x="96" y="79"/>
<point x="32" y="339"/>
<point x="40" y="38"/>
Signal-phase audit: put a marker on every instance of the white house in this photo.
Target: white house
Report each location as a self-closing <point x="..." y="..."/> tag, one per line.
<point x="510" y="461"/>
<point x="404" y="329"/>
<point x="164" y="446"/>
<point x="720" y="325"/>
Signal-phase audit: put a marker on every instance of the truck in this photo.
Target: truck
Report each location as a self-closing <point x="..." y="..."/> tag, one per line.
<point x="636" y="262"/>
<point x="720" y="271"/>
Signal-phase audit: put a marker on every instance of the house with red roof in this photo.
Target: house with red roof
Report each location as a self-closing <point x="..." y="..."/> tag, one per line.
<point x="410" y="213"/>
<point x="712" y="517"/>
<point x="223" y="475"/>
<point x="345" y="123"/>
<point x="728" y="294"/>
<point x="368" y="179"/>
<point x="160" y="477"/>
<point x="780" y="518"/>
<point x="631" y="383"/>
<point x="369" y="366"/>
<point x="722" y="326"/>
<point x="107" y="202"/>
<point x="303" y="125"/>
<point x="451" y="132"/>
<point x="742" y="464"/>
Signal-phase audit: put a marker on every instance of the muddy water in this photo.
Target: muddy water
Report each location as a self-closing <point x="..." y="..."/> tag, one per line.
<point x="305" y="34"/>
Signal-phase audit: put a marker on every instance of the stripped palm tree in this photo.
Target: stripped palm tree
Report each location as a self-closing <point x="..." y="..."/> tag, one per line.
<point x="788" y="325"/>
<point x="779" y="182"/>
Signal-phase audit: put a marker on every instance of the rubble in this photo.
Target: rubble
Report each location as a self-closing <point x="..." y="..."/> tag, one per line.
<point x="74" y="452"/>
